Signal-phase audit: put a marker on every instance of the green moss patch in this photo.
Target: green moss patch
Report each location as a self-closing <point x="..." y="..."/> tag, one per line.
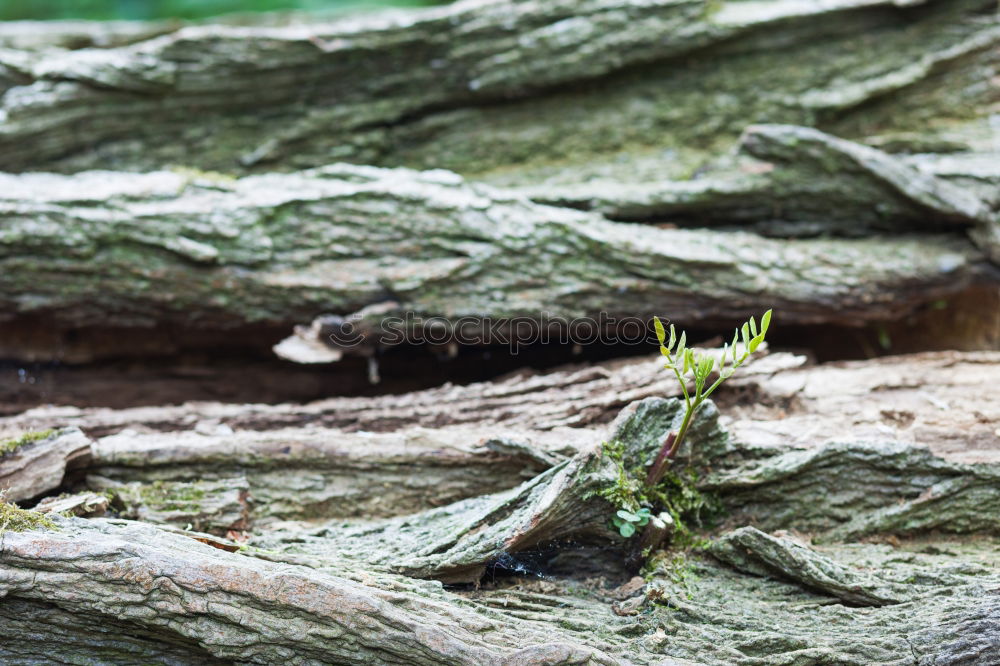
<point x="14" y="519"/>
<point x="676" y="493"/>
<point x="8" y="446"/>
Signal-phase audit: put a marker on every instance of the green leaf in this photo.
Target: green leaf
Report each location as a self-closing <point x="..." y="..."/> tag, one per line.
<point x="765" y="321"/>
<point x="753" y="327"/>
<point x="755" y="343"/>
<point x="644" y="511"/>
<point x="627" y="515"/>
<point x="661" y="335"/>
<point x="626" y="529"/>
<point x="664" y="351"/>
<point x="643" y="521"/>
<point x="746" y="334"/>
<point x="673" y="337"/>
<point x="681" y="348"/>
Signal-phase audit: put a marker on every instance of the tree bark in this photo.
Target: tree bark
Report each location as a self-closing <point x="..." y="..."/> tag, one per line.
<point x="907" y="198"/>
<point x="104" y="249"/>
<point x="329" y="589"/>
<point x="702" y="161"/>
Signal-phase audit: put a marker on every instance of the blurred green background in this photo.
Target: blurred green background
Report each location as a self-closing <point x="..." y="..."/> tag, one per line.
<point x="104" y="10"/>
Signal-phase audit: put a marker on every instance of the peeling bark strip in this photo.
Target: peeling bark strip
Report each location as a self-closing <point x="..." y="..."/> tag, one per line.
<point x="130" y="250"/>
<point x="819" y="183"/>
<point x="315" y="473"/>
<point x="38" y="467"/>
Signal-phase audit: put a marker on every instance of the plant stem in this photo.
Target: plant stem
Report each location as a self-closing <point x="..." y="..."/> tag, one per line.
<point x="670" y="446"/>
<point x="661" y="459"/>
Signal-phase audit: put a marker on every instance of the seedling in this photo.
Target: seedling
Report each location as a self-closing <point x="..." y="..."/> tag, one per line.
<point x="685" y="362"/>
<point x="627" y="521"/>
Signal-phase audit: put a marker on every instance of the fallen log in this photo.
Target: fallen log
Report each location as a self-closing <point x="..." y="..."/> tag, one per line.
<point x="333" y="569"/>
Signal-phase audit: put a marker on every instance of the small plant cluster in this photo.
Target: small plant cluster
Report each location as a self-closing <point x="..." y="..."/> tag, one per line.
<point x="627" y="521"/>
<point x="683" y="360"/>
<point x="677" y="494"/>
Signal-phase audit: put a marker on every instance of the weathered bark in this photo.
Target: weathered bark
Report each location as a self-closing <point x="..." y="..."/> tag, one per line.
<point x="313" y="473"/>
<point x="133" y="250"/>
<point x="481" y="87"/>
<point x="456" y="543"/>
<point x="71" y="580"/>
<point x="408" y="88"/>
<point x="796" y="181"/>
<point x="37" y="467"/>
<point x="943" y="401"/>
<point x="574" y="397"/>
<point x="870" y="194"/>
<point x="110" y="574"/>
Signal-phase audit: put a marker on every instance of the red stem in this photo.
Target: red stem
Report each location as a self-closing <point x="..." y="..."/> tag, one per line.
<point x="667" y="451"/>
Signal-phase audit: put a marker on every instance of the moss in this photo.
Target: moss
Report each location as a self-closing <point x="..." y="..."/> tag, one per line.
<point x="10" y="445"/>
<point x="676" y="494"/>
<point x="191" y="175"/>
<point x="14" y="519"/>
<point x="626" y="493"/>
<point x="172" y="496"/>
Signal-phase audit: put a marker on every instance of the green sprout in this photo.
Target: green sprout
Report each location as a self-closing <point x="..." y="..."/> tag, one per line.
<point x="684" y="361"/>
<point x="627" y="521"/>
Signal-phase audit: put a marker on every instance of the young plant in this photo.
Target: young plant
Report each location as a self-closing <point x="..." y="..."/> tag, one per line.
<point x="685" y="362"/>
<point x="627" y="521"/>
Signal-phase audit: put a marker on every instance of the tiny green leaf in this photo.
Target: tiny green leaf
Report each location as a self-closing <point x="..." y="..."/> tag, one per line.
<point x="706" y="365"/>
<point x="627" y="515"/>
<point x="765" y="321"/>
<point x="626" y="529"/>
<point x="673" y="337"/>
<point x="753" y="327"/>
<point x="661" y="334"/>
